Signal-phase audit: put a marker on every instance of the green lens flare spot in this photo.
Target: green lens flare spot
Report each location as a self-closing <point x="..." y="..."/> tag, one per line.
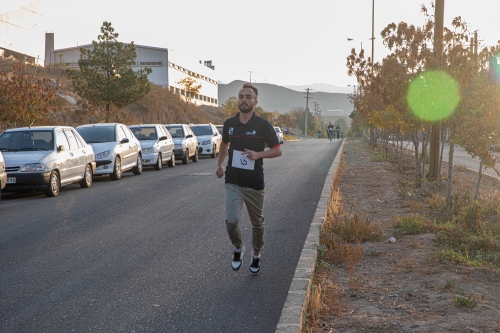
<point x="433" y="96"/>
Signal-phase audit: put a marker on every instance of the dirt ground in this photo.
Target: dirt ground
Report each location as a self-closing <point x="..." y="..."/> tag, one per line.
<point x="397" y="286"/>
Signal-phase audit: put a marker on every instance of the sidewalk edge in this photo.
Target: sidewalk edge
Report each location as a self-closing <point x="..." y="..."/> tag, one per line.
<point x="295" y="307"/>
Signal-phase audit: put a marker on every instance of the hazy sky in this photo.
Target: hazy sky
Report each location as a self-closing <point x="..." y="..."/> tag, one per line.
<point x="281" y="42"/>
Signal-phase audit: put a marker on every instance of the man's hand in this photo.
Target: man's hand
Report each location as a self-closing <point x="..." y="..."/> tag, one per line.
<point x="219" y="172"/>
<point x="251" y="155"/>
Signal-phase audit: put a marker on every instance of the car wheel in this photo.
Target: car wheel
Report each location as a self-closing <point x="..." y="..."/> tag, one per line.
<point x="117" y="170"/>
<point x="214" y="151"/>
<point x="171" y="163"/>
<point x="137" y="170"/>
<point x="86" y="182"/>
<point x="159" y="163"/>
<point x="54" y="185"/>
<point x="185" y="160"/>
<point x="195" y="156"/>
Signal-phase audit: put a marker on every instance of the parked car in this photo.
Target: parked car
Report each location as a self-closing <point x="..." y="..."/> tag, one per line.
<point x="156" y="143"/>
<point x="220" y="128"/>
<point x="209" y="139"/>
<point x="279" y="134"/>
<point x="3" y="174"/>
<point x="45" y="158"/>
<point x="116" y="149"/>
<point x="185" y="142"/>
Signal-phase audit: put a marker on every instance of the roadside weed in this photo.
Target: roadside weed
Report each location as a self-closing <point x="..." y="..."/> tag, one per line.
<point x="412" y="224"/>
<point x="463" y="300"/>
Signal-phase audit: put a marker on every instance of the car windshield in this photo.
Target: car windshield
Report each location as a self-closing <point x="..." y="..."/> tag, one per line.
<point x="278" y="130"/>
<point x="27" y="140"/>
<point x="175" y="131"/>
<point x="97" y="134"/>
<point x="144" y="133"/>
<point x="202" y="130"/>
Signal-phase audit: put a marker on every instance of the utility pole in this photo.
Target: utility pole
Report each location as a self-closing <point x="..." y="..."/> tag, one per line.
<point x="436" y="127"/>
<point x="373" y="31"/>
<point x="308" y="95"/>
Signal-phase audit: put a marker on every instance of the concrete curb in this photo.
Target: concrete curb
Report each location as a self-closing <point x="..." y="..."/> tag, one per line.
<point x="297" y="300"/>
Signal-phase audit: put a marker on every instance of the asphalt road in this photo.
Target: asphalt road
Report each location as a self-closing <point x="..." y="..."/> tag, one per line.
<point x="150" y="253"/>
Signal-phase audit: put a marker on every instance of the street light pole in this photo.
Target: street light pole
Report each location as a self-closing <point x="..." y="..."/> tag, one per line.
<point x="250" y="75"/>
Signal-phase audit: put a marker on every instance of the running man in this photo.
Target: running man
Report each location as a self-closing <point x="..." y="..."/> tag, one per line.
<point x="246" y="135"/>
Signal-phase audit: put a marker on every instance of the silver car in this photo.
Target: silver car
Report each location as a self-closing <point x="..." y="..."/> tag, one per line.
<point x="116" y="148"/>
<point x="156" y="143"/>
<point x="45" y="158"/>
<point x="209" y="139"/>
<point x="185" y="142"/>
<point x="279" y="134"/>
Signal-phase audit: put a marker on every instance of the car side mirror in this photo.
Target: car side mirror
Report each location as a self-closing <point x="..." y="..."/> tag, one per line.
<point x="189" y="136"/>
<point x="61" y="148"/>
<point x="125" y="140"/>
<point x="163" y="138"/>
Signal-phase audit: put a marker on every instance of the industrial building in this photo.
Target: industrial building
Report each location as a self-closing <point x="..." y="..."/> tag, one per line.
<point x="168" y="68"/>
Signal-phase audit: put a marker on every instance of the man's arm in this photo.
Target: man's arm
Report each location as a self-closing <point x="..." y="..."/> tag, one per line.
<point x="220" y="159"/>
<point x="270" y="153"/>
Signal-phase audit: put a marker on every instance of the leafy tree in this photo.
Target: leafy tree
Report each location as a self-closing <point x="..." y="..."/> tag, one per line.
<point x="230" y="107"/>
<point x="191" y="87"/>
<point x="106" y="77"/>
<point x="24" y="100"/>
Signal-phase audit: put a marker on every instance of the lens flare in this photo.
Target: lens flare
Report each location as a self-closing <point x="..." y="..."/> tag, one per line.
<point x="433" y="95"/>
<point x="495" y="67"/>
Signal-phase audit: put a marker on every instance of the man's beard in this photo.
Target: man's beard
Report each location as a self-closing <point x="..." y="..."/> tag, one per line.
<point x="245" y="110"/>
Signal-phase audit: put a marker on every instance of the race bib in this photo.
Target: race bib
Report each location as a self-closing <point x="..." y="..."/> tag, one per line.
<point x="241" y="161"/>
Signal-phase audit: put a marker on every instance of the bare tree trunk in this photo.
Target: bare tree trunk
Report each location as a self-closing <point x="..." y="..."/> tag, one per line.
<point x="439" y="166"/>
<point x="450" y="174"/>
<point x="418" y="175"/>
<point x="479" y="176"/>
<point x="424" y="151"/>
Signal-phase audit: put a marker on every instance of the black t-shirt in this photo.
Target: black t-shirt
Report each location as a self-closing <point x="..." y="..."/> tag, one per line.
<point x="330" y="127"/>
<point x="253" y="136"/>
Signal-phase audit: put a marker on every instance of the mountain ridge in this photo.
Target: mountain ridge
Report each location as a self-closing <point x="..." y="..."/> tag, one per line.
<point x="282" y="99"/>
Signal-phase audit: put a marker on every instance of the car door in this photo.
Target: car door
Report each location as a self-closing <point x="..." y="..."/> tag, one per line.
<point x="66" y="160"/>
<point x="191" y="140"/>
<point x="125" y="149"/>
<point x="163" y="144"/>
<point x="76" y="151"/>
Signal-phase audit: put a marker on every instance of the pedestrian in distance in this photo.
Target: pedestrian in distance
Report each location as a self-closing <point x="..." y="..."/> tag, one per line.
<point x="330" y="131"/>
<point x="338" y="131"/>
<point x="245" y="136"/>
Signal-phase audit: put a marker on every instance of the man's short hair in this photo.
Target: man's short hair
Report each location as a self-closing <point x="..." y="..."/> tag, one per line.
<point x="251" y="86"/>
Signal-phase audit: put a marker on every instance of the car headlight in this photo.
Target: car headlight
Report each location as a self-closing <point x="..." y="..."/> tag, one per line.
<point x="149" y="150"/>
<point x="32" y="167"/>
<point x="102" y="155"/>
<point x="206" y="142"/>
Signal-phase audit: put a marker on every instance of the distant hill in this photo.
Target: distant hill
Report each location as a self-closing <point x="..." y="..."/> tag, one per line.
<point x="273" y="97"/>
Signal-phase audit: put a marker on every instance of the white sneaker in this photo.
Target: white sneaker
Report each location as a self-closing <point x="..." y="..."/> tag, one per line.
<point x="237" y="258"/>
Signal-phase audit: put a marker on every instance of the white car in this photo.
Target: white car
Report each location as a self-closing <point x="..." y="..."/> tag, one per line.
<point x="45" y="158"/>
<point x="116" y="148"/>
<point x="185" y="142"/>
<point x="279" y="134"/>
<point x="209" y="139"/>
<point x="3" y="174"/>
<point x="156" y="143"/>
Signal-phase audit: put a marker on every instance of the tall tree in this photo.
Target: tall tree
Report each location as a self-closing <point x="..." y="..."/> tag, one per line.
<point x="25" y="100"/>
<point x="106" y="77"/>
